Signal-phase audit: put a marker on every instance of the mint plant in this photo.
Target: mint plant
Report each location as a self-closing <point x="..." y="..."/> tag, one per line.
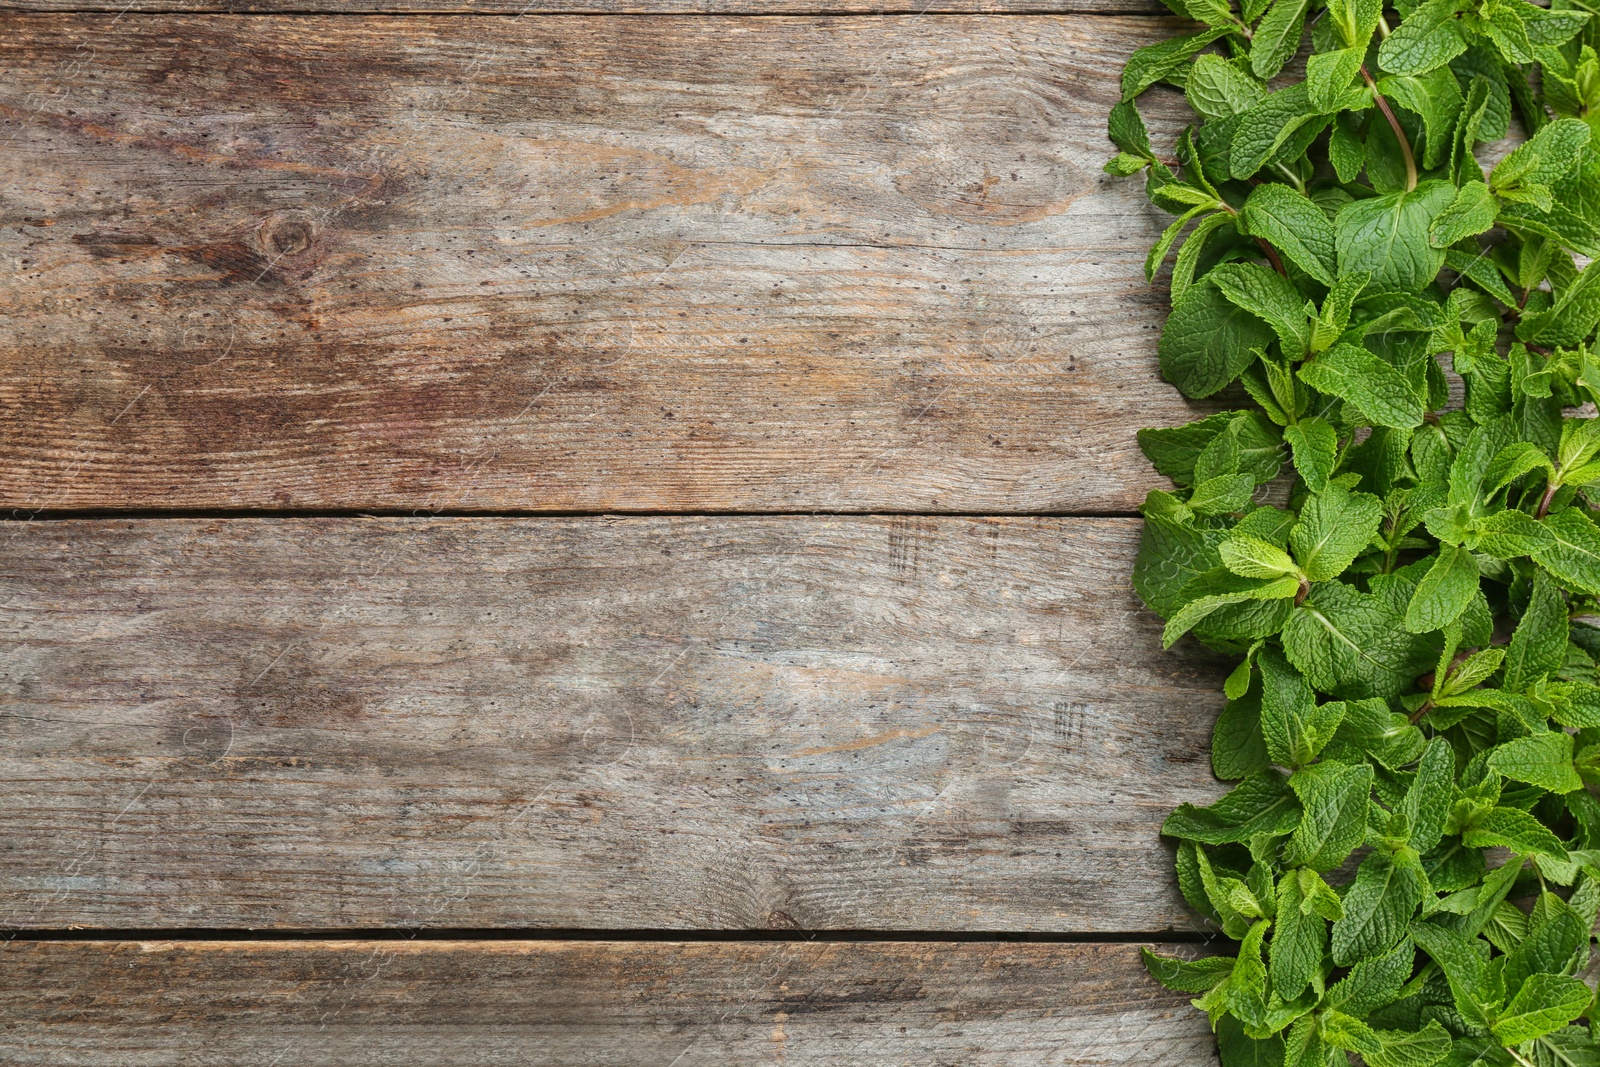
<point x="1405" y="559"/>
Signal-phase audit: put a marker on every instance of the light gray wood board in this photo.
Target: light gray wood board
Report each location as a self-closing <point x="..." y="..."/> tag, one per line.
<point x="575" y="263"/>
<point x="694" y="723"/>
<point x="592" y="1004"/>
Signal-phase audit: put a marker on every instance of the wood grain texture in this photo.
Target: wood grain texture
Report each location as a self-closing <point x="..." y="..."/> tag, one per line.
<point x="565" y="263"/>
<point x="871" y="724"/>
<point x="591" y="1004"/>
<point x="531" y="8"/>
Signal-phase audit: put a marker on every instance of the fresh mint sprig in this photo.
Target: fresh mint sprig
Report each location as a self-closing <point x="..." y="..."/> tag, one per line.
<point x="1405" y="559"/>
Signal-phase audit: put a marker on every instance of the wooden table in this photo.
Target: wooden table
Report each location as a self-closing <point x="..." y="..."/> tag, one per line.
<point x="583" y="532"/>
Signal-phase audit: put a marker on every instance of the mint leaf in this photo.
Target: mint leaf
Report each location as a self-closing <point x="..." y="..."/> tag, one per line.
<point x="1444" y="591"/>
<point x="1435" y="98"/>
<point x="1251" y="557"/>
<point x="1544" y="760"/>
<point x="1290" y="720"/>
<point x="1570" y="1046"/>
<point x="1329" y="76"/>
<point x="1470" y="212"/>
<point x="1479" y="270"/>
<point x="1172" y="555"/>
<point x="1277" y="37"/>
<point x="1238" y="749"/>
<point x="1293" y="225"/>
<point x="1572" y="551"/>
<point x="1298" y="941"/>
<point x="1423" y="42"/>
<point x="1350" y="1034"/>
<point x="1422" y="1048"/>
<point x="1294" y="727"/>
<point x="1516" y="830"/>
<point x="1336" y="525"/>
<point x="1269" y="297"/>
<point x="1237" y="1049"/>
<point x="1539" y="644"/>
<point x="1222" y="494"/>
<point x="1218" y="88"/>
<point x="1377" y="908"/>
<point x="1427" y="802"/>
<point x="1372" y="385"/>
<point x="1127" y="131"/>
<point x="1267" y="127"/>
<point x="1504" y="25"/>
<point x="1387" y="236"/>
<point x="1556" y="943"/>
<point x="1174" y="450"/>
<point x="1154" y="62"/>
<point x="1512" y="462"/>
<point x="1353" y="644"/>
<point x="1573" y="316"/>
<point x="1314" y="445"/>
<point x="1187" y="976"/>
<point x="1335" y="800"/>
<point x="1158" y="254"/>
<point x="1374" y="981"/>
<point x="1463" y="966"/>
<point x="1545" y="1003"/>
<point x="1189" y="253"/>
<point x="1355" y="20"/>
<point x="1261" y="804"/>
<point x="1208" y="341"/>
<point x="1215" y="590"/>
<point x="1545" y="158"/>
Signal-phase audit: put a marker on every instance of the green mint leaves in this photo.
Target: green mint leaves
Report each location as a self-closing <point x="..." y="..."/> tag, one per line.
<point x="1387" y="519"/>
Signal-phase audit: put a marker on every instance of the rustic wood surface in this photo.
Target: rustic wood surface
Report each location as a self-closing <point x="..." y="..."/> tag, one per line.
<point x="713" y="264"/>
<point x="542" y="8"/>
<point x="591" y="1004"/>
<point x="848" y="723"/>
<point x="567" y="263"/>
<point x="527" y="8"/>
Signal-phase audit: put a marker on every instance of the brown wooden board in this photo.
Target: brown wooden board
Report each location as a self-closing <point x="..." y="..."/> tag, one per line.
<point x="653" y="723"/>
<point x="528" y="8"/>
<point x="569" y="263"/>
<point x="591" y="1004"/>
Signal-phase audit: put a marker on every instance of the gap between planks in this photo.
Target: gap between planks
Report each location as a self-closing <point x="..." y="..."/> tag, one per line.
<point x="820" y="937"/>
<point x="156" y="514"/>
<point x="121" y="10"/>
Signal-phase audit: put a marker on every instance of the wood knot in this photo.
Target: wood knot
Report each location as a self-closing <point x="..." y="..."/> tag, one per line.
<point x="781" y="920"/>
<point x="288" y="234"/>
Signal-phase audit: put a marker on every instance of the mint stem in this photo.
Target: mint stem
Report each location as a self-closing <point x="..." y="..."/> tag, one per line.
<point x="1272" y="256"/>
<point x="1394" y="124"/>
<point x="1544" y="502"/>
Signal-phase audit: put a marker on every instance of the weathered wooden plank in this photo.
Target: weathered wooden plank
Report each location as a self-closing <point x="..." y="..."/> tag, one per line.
<point x="851" y="723"/>
<point x="573" y="264"/>
<point x="591" y="1004"/>
<point x="607" y="7"/>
